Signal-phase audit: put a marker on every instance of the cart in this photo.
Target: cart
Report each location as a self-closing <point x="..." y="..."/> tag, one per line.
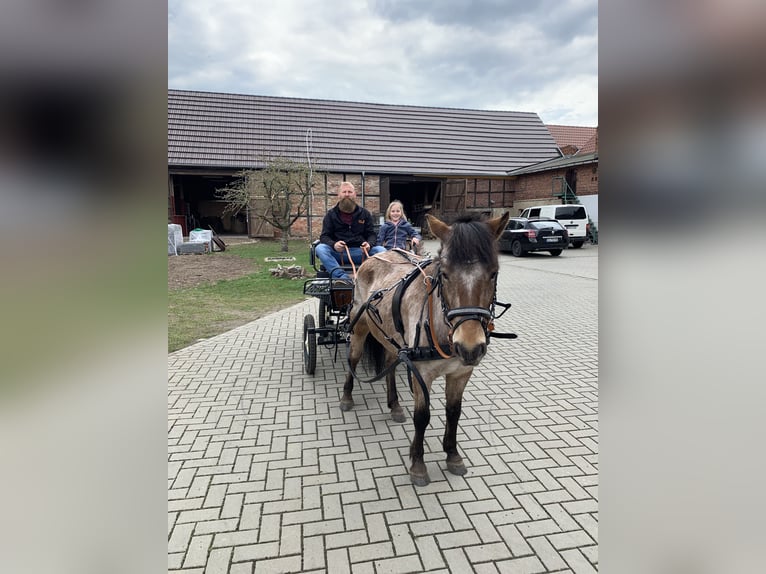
<point x="331" y="325"/>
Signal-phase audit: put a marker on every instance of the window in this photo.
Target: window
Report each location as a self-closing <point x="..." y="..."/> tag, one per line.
<point x="570" y="212"/>
<point x="545" y="225"/>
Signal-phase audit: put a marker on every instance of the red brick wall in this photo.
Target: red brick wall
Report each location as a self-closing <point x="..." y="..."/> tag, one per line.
<point x="537" y="188"/>
<point x="511" y="193"/>
<point x="325" y="196"/>
<point x="587" y="179"/>
<point x="535" y="185"/>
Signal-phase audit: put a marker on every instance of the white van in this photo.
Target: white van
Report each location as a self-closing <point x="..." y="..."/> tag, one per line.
<point x="574" y="218"/>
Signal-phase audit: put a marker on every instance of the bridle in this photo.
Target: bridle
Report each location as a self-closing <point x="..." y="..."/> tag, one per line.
<point x="462" y="314"/>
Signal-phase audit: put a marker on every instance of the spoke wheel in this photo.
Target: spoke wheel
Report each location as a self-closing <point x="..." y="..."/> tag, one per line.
<point x="309" y="345"/>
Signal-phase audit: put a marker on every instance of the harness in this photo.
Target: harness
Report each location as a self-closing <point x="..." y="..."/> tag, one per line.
<point x="434" y="349"/>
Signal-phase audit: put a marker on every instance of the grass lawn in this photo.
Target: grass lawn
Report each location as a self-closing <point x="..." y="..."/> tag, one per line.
<point x="213" y="308"/>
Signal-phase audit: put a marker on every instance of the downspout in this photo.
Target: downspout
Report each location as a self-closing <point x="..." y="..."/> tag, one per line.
<point x="363" y="189"/>
<point x="309" y="141"/>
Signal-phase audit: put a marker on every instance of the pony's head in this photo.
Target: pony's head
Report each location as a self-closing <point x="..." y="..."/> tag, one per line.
<point x="468" y="269"/>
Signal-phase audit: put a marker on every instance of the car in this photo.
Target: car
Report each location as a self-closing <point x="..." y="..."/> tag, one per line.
<point x="574" y="217"/>
<point x="523" y="235"/>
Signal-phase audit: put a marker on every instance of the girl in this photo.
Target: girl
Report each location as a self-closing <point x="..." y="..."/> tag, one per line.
<point x="397" y="230"/>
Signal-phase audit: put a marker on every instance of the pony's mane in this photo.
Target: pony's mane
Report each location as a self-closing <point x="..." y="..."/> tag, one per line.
<point x="471" y="241"/>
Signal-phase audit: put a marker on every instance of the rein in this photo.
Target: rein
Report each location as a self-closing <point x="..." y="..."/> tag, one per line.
<point x="351" y="259"/>
<point x="433" y="338"/>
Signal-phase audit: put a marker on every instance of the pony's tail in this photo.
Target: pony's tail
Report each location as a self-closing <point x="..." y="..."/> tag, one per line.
<point x="374" y="355"/>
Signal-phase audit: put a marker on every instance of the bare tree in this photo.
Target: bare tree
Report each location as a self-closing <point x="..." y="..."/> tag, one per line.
<point x="281" y="192"/>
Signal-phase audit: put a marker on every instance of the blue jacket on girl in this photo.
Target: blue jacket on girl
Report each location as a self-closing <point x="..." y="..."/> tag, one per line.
<point x="396" y="234"/>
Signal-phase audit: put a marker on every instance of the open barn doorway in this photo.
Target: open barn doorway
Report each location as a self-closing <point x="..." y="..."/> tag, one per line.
<point x="417" y="197"/>
<point x="196" y="205"/>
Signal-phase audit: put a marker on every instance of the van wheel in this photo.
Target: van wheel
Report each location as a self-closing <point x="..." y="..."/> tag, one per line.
<point x="555" y="252"/>
<point x="516" y="249"/>
<point x="577" y="244"/>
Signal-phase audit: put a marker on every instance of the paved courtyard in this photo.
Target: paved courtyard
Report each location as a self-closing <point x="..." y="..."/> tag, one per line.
<point x="266" y="474"/>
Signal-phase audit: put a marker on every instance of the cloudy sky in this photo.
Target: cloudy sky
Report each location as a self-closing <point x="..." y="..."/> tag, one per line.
<point x="514" y="55"/>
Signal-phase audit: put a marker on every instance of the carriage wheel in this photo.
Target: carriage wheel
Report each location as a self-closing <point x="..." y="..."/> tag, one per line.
<point x="309" y="345"/>
<point x="324" y="312"/>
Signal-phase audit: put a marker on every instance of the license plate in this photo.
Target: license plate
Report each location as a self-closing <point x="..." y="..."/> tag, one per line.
<point x="571" y="226"/>
<point x="551" y="238"/>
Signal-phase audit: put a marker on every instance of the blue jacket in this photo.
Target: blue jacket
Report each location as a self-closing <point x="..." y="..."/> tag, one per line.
<point x="395" y="235"/>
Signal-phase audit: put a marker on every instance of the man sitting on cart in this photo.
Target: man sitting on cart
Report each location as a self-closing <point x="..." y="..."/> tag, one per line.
<point x="347" y="230"/>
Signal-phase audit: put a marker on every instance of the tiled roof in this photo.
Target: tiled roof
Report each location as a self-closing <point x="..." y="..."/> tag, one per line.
<point x="558" y="163"/>
<point x="577" y="136"/>
<point x="217" y="130"/>
<point x="591" y="145"/>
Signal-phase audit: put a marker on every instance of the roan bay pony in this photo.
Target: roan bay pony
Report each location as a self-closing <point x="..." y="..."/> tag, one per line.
<point x="433" y="315"/>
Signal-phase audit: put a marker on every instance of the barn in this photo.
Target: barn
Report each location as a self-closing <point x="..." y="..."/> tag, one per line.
<point x="435" y="160"/>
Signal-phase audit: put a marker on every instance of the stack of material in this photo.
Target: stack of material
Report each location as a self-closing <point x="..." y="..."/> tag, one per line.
<point x="193" y="247"/>
<point x="200" y="241"/>
<point x="202" y="236"/>
<point x="175" y="238"/>
<point x="291" y="272"/>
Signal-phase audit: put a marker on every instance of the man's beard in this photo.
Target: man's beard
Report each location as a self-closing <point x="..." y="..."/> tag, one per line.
<point x="347" y="205"/>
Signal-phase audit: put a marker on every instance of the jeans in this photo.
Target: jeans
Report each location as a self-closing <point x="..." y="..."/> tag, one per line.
<point x="332" y="260"/>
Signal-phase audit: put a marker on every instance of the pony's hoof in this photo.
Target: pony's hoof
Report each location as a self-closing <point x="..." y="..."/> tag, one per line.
<point x="457" y="468"/>
<point x="420" y="479"/>
<point x="346" y="404"/>
<point x="397" y="415"/>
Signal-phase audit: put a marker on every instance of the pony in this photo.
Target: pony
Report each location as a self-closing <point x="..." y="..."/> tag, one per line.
<point x="435" y="315"/>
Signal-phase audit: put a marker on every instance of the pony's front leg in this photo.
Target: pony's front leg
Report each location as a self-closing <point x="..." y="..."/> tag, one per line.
<point x="455" y="385"/>
<point x="356" y="347"/>
<point x="418" y="470"/>
<point x="397" y="413"/>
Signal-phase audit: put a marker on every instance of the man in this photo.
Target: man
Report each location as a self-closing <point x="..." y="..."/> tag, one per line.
<point x="346" y="225"/>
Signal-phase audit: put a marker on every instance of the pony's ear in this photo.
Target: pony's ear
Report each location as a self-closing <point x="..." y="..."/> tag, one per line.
<point x="437" y="227"/>
<point x="497" y="225"/>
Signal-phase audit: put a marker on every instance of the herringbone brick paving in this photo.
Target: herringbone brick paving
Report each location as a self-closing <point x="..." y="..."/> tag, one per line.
<point x="267" y="474"/>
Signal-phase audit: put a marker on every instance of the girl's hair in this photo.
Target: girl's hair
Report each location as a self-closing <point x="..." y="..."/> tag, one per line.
<point x="390" y="205"/>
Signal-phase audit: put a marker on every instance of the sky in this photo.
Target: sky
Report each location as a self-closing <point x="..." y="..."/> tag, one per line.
<point x="511" y="55"/>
